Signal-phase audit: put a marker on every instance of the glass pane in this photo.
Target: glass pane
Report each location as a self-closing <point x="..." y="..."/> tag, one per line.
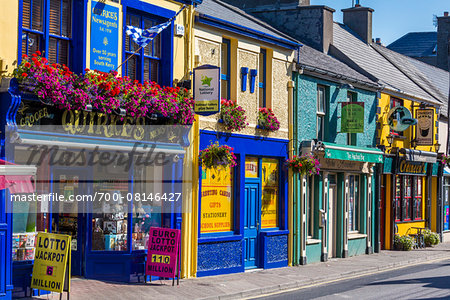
<point x="37" y="15"/>
<point x="310" y="216"/>
<point x="224" y="59"/>
<point x="320" y="128"/>
<point x="217" y="200"/>
<point x="26" y="14"/>
<point x="157" y="46"/>
<point x="146" y="68"/>
<point x="130" y="45"/>
<point x="148" y="50"/>
<point x="321" y="99"/>
<point x="131" y="67"/>
<point x="52" y="50"/>
<point x="66" y="22"/>
<point x="55" y="17"/>
<point x="224" y="89"/>
<point x="351" y="207"/>
<point x="251" y="167"/>
<point x="30" y="43"/>
<point x="63" y="52"/>
<point x="262" y="102"/>
<point x="269" y="203"/>
<point x="154" y="70"/>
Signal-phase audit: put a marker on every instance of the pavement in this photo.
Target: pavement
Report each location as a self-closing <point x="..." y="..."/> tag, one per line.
<point x="256" y="283"/>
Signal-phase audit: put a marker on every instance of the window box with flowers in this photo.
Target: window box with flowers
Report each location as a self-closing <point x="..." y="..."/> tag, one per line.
<point x="267" y="120"/>
<point x="232" y="115"/>
<point x="55" y="84"/>
<point x="304" y="165"/>
<point x="215" y="156"/>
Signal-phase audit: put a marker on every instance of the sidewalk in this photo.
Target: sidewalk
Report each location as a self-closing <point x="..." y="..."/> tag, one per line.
<point x="251" y="284"/>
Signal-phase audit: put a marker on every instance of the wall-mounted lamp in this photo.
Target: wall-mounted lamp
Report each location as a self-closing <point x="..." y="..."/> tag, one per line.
<point x="414" y="143"/>
<point x="346" y="86"/>
<point x="437" y="146"/>
<point x="390" y="140"/>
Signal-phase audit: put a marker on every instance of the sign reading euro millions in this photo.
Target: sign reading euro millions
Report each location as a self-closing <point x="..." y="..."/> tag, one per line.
<point x="162" y="254"/>
<point x="51" y="269"/>
<point x="104" y="47"/>
<point x="207" y="89"/>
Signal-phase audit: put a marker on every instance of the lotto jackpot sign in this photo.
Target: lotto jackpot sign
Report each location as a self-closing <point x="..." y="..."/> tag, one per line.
<point x="162" y="255"/>
<point x="51" y="267"/>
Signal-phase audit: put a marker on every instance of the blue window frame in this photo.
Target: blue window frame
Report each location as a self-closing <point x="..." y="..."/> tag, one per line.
<point x="225" y="69"/>
<point x="145" y="65"/>
<point x="46" y="25"/>
<point x="262" y="78"/>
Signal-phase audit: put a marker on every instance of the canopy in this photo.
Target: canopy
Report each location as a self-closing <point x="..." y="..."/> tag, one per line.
<point x="352" y="153"/>
<point x="16" y="178"/>
<point x="417" y="155"/>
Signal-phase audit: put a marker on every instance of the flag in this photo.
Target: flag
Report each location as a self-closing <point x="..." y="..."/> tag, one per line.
<point x="144" y="37"/>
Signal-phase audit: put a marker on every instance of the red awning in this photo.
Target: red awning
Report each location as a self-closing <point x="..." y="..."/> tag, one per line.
<point x="16" y="178"/>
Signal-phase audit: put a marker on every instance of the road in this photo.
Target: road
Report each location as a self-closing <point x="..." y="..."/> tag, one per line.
<point x="426" y="281"/>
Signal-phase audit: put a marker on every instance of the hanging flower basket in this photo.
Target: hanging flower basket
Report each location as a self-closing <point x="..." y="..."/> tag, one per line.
<point x="217" y="156"/>
<point x="446" y="160"/>
<point x="232" y="115"/>
<point x="267" y="120"/>
<point x="304" y="165"/>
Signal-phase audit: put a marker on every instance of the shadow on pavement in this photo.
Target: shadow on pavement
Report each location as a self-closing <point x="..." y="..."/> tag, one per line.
<point x="441" y="282"/>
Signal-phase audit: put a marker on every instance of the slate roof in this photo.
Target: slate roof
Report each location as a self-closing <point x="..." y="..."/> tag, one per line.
<point x="316" y="61"/>
<point x="434" y="80"/>
<point x="226" y="12"/>
<point x="364" y="58"/>
<point x="416" y="44"/>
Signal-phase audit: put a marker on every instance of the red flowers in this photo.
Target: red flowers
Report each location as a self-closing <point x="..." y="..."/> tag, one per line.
<point x="24" y="74"/>
<point x="27" y="65"/>
<point x="232" y="115"/>
<point x="304" y="165"/>
<point x="216" y="156"/>
<point x="267" y="119"/>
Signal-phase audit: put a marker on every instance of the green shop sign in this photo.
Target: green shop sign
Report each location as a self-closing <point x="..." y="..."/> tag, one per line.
<point x="352" y="117"/>
<point x="352" y="153"/>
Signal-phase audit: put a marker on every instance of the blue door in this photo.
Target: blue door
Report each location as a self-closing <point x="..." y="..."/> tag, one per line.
<point x="252" y="215"/>
<point x="5" y="249"/>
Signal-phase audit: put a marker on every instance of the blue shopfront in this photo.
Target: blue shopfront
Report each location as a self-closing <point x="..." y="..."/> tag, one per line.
<point x="109" y="236"/>
<point x="243" y="210"/>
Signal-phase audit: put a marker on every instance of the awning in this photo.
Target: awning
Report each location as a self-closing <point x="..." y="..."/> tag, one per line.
<point x="417" y="155"/>
<point x="352" y="153"/>
<point x="446" y="171"/>
<point x="16" y="178"/>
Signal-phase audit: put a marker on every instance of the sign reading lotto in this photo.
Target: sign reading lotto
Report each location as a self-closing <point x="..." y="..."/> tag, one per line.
<point x="207" y="89"/>
<point x="162" y="255"/>
<point x="216" y="200"/>
<point x="425" y="126"/>
<point x="104" y="47"/>
<point x="352" y="117"/>
<point x="412" y="167"/>
<point x="51" y="269"/>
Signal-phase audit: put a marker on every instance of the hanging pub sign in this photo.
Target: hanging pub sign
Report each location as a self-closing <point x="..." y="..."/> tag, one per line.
<point x="411" y="167"/>
<point x="352" y="117"/>
<point x="104" y="43"/>
<point x="51" y="268"/>
<point x="207" y="89"/>
<point x="400" y="118"/>
<point x="163" y="250"/>
<point x="424" y="128"/>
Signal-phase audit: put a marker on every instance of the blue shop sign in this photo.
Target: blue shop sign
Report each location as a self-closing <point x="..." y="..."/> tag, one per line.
<point x="104" y="37"/>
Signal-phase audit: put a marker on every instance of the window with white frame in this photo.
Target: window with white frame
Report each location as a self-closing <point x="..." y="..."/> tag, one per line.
<point x="310" y="203"/>
<point x="321" y="112"/>
<point x="353" y="205"/>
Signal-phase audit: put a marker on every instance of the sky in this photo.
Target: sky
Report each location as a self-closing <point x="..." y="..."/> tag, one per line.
<point x="394" y="18"/>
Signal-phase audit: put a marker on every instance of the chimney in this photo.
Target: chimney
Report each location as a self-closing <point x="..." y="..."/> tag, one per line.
<point x="359" y="19"/>
<point x="378" y="41"/>
<point x="443" y="42"/>
<point x="249" y="5"/>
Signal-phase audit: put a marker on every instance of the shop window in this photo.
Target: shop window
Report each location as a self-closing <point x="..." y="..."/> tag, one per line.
<point x="321" y="112"/>
<point x="145" y="64"/>
<point x="262" y="78"/>
<point x="417" y="210"/>
<point x="407" y="197"/>
<point x="351" y="137"/>
<point x="147" y="183"/>
<point x="225" y="68"/>
<point x="398" y="198"/>
<point x="51" y="34"/>
<point x="217" y="200"/>
<point x="394" y="103"/>
<point x="353" y="208"/>
<point x="310" y="203"/>
<point x="270" y="193"/>
<point x="251" y="167"/>
<point x="446" y="203"/>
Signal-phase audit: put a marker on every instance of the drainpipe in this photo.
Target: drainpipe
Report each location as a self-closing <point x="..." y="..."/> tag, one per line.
<point x="290" y="207"/>
<point x="377" y="242"/>
<point x="429" y="188"/>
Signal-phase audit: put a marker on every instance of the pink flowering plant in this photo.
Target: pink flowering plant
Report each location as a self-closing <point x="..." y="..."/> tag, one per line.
<point x="217" y="156"/>
<point x="232" y="115"/>
<point x="267" y="119"/>
<point x="446" y="160"/>
<point x="55" y="84"/>
<point x="306" y="164"/>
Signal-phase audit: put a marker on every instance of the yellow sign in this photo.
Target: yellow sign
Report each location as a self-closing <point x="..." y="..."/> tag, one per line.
<point x="162" y="259"/>
<point x="251" y="167"/>
<point x="51" y="269"/>
<point x="269" y="207"/>
<point x="217" y="200"/>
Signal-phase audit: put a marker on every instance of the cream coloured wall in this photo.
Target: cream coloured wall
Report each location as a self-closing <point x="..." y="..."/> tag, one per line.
<point x="443" y="136"/>
<point x="9" y="15"/>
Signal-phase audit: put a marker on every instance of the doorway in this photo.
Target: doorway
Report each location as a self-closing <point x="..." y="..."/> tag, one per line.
<point x="68" y="217"/>
<point x="332" y="216"/>
<point x="252" y="215"/>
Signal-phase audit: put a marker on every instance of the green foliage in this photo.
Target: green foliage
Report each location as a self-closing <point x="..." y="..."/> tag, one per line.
<point x="404" y="242"/>
<point x="431" y="238"/>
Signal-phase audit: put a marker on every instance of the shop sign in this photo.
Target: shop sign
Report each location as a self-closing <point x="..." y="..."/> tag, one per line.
<point x="425" y="126"/>
<point x="216" y="200"/>
<point x="51" y="269"/>
<point x="344" y="165"/>
<point x="412" y="167"/>
<point x="400" y="118"/>
<point x="251" y="167"/>
<point x="269" y="205"/>
<point x="162" y="255"/>
<point x="447" y="217"/>
<point x="352" y="117"/>
<point x="207" y="89"/>
<point x="104" y="46"/>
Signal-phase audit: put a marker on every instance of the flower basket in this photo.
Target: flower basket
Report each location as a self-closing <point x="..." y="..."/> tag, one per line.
<point x="304" y="165"/>
<point x="267" y="120"/>
<point x="232" y="115"/>
<point x="217" y="156"/>
<point x="446" y="160"/>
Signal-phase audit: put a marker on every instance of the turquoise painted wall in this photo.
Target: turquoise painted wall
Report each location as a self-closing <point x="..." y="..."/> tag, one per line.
<point x="356" y="247"/>
<point x="313" y="253"/>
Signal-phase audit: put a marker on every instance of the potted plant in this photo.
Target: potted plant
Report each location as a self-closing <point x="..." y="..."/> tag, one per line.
<point x="304" y="165"/>
<point x="403" y="243"/>
<point x="430" y="238"/>
<point x="446" y="159"/>
<point x="267" y="120"/>
<point x="232" y="115"/>
<point x="217" y="156"/>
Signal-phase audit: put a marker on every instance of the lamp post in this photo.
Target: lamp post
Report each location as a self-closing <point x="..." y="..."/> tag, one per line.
<point x="437" y="146"/>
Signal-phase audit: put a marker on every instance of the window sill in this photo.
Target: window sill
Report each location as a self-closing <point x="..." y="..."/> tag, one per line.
<point x="356" y="235"/>
<point x="310" y="241"/>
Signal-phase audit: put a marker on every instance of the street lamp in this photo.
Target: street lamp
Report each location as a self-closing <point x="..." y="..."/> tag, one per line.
<point x="390" y="140"/>
<point x="414" y="143"/>
<point x="437" y="146"/>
